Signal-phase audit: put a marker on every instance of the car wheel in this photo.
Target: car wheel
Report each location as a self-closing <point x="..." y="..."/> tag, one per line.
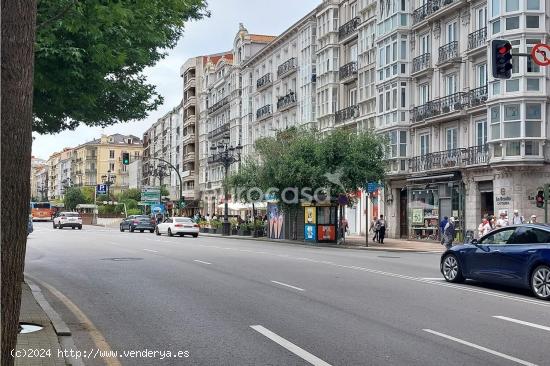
<point x="121" y="229"/>
<point x="73" y="227"/>
<point x="451" y="269"/>
<point x="80" y="227"/>
<point x="151" y="231"/>
<point x="540" y="282"/>
<point x="195" y="235"/>
<point x="141" y="231"/>
<point x="170" y="232"/>
<point x="132" y="229"/>
<point x="59" y="227"/>
<point x="54" y="226"/>
<point x="157" y="231"/>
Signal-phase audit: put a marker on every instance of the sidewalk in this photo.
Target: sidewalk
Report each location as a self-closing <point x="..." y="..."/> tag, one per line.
<point x="355" y="242"/>
<point x="47" y="342"/>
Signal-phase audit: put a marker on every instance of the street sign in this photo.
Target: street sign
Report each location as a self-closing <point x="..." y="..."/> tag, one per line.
<point x="150" y="194"/>
<point x="372" y="187"/>
<point x="541" y="54"/>
<point x="101" y="189"/>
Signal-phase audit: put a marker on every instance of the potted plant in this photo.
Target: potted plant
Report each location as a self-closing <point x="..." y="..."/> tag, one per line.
<point x="258" y="227"/>
<point x="216" y="226"/>
<point x="203" y="226"/>
<point x="244" y="229"/>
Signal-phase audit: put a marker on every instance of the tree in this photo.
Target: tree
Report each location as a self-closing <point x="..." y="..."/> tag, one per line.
<point x="73" y="197"/>
<point x="89" y="193"/>
<point x="87" y="69"/>
<point x="18" y="35"/>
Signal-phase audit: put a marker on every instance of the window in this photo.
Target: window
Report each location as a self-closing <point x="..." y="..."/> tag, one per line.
<point x="512" y="23"/>
<point x="481" y="132"/>
<point x="532" y="84"/>
<point x="531" y="66"/>
<point x="495" y="123"/>
<point x="512" y="122"/>
<point x="481" y="18"/>
<point x="424" y="144"/>
<point x="452" y="138"/>
<point x="403" y="100"/>
<point x="111" y="154"/>
<point x="531" y="148"/>
<point x="513" y="148"/>
<point x="533" y="120"/>
<point x="424" y="44"/>
<point x="496" y="27"/>
<point x="532" y="21"/>
<point x="495" y="8"/>
<point x="450" y="84"/>
<point x="512" y="86"/>
<point x="533" y="4"/>
<point x="393" y="144"/>
<point x="403" y="143"/>
<point x="452" y="34"/>
<point x="527" y="235"/>
<point x="481" y="72"/>
<point x="512" y="5"/>
<point x="499" y="238"/>
<point x="424" y="93"/>
<point x="112" y="167"/>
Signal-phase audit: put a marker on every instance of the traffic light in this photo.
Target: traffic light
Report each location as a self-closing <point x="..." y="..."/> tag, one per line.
<point x="126" y="158"/>
<point x="502" y="59"/>
<point x="539" y="199"/>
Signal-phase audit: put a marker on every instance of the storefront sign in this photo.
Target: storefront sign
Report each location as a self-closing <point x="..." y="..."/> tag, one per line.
<point x="503" y="200"/>
<point x="417" y="216"/>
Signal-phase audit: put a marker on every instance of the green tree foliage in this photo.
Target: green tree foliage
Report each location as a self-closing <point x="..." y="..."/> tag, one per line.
<point x="89" y="193"/>
<point x="73" y="197"/>
<point x="90" y="56"/>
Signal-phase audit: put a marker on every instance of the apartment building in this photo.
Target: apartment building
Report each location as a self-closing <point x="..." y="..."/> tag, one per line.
<point x="59" y="173"/>
<point x="40" y="186"/>
<point x="37" y="165"/>
<point x="100" y="160"/>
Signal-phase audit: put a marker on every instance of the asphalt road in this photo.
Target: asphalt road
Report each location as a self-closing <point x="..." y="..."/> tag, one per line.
<point x="232" y="302"/>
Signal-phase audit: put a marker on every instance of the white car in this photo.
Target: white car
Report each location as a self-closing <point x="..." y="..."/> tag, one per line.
<point x="67" y="219"/>
<point x="178" y="226"/>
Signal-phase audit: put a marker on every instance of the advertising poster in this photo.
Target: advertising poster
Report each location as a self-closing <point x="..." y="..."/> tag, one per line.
<point x="326" y="233"/>
<point x="309" y="215"/>
<point x="275" y="221"/>
<point x="417" y="216"/>
<point x="310" y="232"/>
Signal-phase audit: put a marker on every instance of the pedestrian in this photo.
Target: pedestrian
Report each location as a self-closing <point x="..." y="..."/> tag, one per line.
<point x="374" y="229"/>
<point x="381" y="229"/>
<point x="449" y="233"/>
<point x="502" y="221"/>
<point x="484" y="228"/>
<point x="533" y="219"/>
<point x="207" y="217"/>
<point x="517" y="219"/>
<point x="442" y="225"/>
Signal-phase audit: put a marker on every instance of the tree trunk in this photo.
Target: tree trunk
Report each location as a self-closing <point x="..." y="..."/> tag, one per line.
<point x="18" y="35"/>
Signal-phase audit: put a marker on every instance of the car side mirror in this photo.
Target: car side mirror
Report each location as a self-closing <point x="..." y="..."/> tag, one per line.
<point x="474" y="242"/>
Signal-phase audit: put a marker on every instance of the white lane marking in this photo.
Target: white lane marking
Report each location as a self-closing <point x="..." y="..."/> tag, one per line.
<point x="433" y="278"/>
<point x="196" y="260"/>
<point x="533" y="325"/>
<point x="287" y="285"/>
<point x="481" y="348"/>
<point x="150" y="250"/>
<point x="300" y="352"/>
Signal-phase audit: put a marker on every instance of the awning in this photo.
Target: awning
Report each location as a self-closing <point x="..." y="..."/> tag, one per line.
<point x="239" y="206"/>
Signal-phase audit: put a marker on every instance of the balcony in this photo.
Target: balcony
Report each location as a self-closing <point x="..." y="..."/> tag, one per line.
<point x="88" y="171"/>
<point x="346" y="114"/>
<point x="286" y="102"/>
<point x="191" y="99"/>
<point x="190" y="137"/>
<point x="422" y="62"/>
<point x="348" y="28"/>
<point x="91" y="157"/>
<point x="190" y="120"/>
<point x="263" y="112"/>
<point x="448" y="52"/>
<point x="477" y="96"/>
<point x="450" y="159"/>
<point x="189" y="157"/>
<point x="264" y="81"/>
<point x="219" y="131"/>
<point x="348" y="71"/>
<point x="218" y="105"/>
<point x="429" y="8"/>
<point x="451" y="103"/>
<point x="287" y="67"/>
<point x="477" y="38"/>
<point x="190" y="82"/>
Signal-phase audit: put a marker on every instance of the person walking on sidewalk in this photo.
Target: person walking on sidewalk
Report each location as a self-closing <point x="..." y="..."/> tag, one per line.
<point x="449" y="233"/>
<point x="484" y="228"/>
<point x="517" y="219"/>
<point x="374" y="228"/>
<point x="442" y="225"/>
<point x="381" y="229"/>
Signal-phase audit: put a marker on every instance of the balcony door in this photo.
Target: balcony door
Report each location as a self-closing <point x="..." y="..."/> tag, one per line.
<point x="481" y="75"/>
<point x="424" y="93"/>
<point x="352" y="97"/>
<point x="481" y="18"/>
<point x="452" y="138"/>
<point x="481" y="132"/>
<point x="425" y="43"/>
<point x="353" y="53"/>
<point x="424" y="144"/>
<point x="450" y="84"/>
<point x="452" y="32"/>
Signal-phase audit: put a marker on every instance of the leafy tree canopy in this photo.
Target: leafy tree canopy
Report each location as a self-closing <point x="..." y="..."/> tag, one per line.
<point x="73" y="197"/>
<point x="338" y="163"/>
<point x="90" y="55"/>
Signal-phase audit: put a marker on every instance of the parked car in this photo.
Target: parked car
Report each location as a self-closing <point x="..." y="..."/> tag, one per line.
<point x="30" y="227"/>
<point x="517" y="255"/>
<point x="178" y="226"/>
<point x="67" y="219"/>
<point x="138" y="222"/>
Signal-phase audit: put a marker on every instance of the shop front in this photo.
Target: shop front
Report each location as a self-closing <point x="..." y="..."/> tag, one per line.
<point x="430" y="199"/>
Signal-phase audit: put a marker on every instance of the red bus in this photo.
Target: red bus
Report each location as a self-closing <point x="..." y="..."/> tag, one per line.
<point x="41" y="211"/>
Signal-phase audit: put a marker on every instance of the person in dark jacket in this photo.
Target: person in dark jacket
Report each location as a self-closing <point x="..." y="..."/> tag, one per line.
<point x="449" y="233"/>
<point x="442" y="225"/>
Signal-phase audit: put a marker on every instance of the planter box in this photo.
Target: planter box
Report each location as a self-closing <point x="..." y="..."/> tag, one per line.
<point x="243" y="232"/>
<point x="234" y="232"/>
<point x="219" y="230"/>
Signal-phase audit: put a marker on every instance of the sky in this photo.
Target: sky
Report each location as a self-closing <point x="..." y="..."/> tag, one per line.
<point x="206" y="36"/>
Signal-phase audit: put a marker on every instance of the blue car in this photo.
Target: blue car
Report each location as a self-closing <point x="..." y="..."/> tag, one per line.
<point x="517" y="255"/>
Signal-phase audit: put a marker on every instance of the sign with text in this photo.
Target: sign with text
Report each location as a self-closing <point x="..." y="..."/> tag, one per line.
<point x="101" y="189"/>
<point x="150" y="194"/>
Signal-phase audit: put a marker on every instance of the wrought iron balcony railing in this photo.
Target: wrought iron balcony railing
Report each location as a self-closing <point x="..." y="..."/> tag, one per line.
<point x="477" y="38"/>
<point x="477" y="96"/>
<point x="346" y="114"/>
<point x="286" y="101"/>
<point x="264" y="111"/>
<point x="286" y="67"/>
<point x="263" y="81"/>
<point x="348" y="70"/>
<point x="348" y="28"/>
<point x="422" y="62"/>
<point x="429" y="8"/>
<point x="218" y="131"/>
<point x="451" y="103"/>
<point x="218" y="105"/>
<point x="448" y="52"/>
<point x="455" y="158"/>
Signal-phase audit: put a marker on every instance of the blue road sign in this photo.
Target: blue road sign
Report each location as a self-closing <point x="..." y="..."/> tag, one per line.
<point x="101" y="189"/>
<point x="372" y="187"/>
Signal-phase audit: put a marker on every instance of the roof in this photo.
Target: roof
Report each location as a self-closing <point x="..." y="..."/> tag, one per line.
<point x="262" y="38"/>
<point x="117" y="139"/>
<point x="216" y="57"/>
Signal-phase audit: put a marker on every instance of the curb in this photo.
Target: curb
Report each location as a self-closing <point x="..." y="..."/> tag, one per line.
<point x="61" y="329"/>
<point x="295" y="242"/>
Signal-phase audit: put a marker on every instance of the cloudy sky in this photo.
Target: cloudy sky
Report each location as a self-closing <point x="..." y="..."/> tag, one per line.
<point x="211" y="35"/>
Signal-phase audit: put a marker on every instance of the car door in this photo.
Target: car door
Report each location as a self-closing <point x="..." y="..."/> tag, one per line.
<point x="165" y="225"/>
<point x="484" y="263"/>
<point x="522" y="249"/>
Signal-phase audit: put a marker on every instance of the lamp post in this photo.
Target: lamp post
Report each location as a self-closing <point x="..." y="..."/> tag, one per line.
<point x="108" y="180"/>
<point x="66" y="183"/>
<point x="168" y="164"/>
<point x="160" y="171"/>
<point x="225" y="154"/>
<point x="43" y="189"/>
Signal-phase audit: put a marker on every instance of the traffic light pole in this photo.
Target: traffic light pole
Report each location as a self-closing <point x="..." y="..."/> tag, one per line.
<point x="173" y="167"/>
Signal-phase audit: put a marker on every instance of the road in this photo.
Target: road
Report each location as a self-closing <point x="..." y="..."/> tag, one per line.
<point x="233" y="302"/>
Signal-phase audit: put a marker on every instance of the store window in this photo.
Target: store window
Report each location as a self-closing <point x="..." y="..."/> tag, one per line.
<point x="424" y="213"/>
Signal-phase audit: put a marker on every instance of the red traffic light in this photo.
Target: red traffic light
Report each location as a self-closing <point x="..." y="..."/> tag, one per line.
<point x="504" y="49"/>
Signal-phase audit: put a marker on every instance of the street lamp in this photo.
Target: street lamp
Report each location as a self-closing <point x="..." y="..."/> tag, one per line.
<point x="226" y="155"/>
<point x="108" y="180"/>
<point x="160" y="171"/>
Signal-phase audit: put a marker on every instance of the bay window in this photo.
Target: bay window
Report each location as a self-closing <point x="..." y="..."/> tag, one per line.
<point x="512" y="121"/>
